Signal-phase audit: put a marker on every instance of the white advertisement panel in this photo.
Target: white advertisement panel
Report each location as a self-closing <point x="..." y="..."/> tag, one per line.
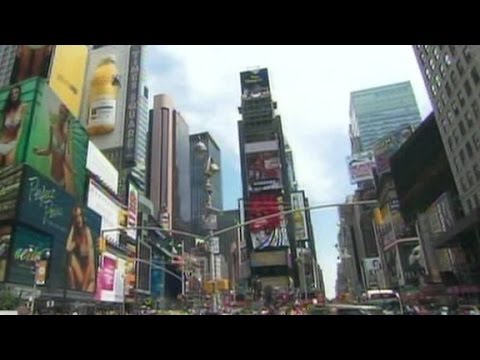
<point x="132" y="211"/>
<point x="100" y="166"/>
<point x="100" y="202"/>
<point x="261" y="146"/>
<point x="111" y="279"/>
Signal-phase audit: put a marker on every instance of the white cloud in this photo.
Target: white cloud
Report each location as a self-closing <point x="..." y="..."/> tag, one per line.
<point x="311" y="84"/>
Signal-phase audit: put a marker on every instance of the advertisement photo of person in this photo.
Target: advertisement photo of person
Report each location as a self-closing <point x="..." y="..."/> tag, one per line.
<point x="80" y="254"/>
<point x="11" y="125"/>
<point x="31" y="61"/>
<point x="59" y="150"/>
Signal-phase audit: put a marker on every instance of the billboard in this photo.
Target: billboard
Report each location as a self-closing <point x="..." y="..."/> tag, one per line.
<point x="299" y="219"/>
<point x="266" y="238"/>
<point x="101" y="167"/>
<point x="261" y="146"/>
<point x="68" y="74"/>
<point x="372" y="268"/>
<point x="5" y="236"/>
<point x="57" y="145"/>
<point x="412" y="262"/>
<point x="110" y="279"/>
<point x="45" y="208"/>
<point x="269" y="258"/>
<point x="264" y="171"/>
<point x="108" y="208"/>
<point x="29" y="246"/>
<point x="31" y="61"/>
<point x="388" y="145"/>
<point x="105" y="93"/>
<point x="132" y="210"/>
<point x="360" y="167"/>
<point x="254" y="83"/>
<point x="133" y="96"/>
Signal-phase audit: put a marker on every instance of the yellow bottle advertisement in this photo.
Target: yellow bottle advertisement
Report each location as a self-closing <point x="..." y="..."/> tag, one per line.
<point x="68" y="75"/>
<point x="104" y="90"/>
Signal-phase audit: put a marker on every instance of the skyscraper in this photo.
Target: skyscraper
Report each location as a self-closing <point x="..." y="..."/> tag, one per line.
<point x="376" y="112"/>
<point x="169" y="183"/>
<point x="198" y="179"/>
<point x="452" y="77"/>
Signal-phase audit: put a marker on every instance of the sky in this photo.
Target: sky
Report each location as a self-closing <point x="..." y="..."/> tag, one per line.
<point x="311" y="84"/>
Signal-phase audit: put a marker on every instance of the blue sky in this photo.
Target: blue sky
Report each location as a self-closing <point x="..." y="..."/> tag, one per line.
<point x="311" y="84"/>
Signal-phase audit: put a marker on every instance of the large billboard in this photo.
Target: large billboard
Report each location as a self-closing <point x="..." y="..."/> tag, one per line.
<point x="31" y="61"/>
<point x="133" y="96"/>
<point x="412" y="263"/>
<point x="46" y="208"/>
<point x="29" y="246"/>
<point x="269" y="258"/>
<point x="299" y="219"/>
<point x="101" y="167"/>
<point x="111" y="279"/>
<point x="68" y="74"/>
<point x="108" y="208"/>
<point x="388" y="145"/>
<point x="255" y="83"/>
<point x="360" y="167"/>
<point x="373" y="273"/>
<point x="57" y="145"/>
<point x="266" y="238"/>
<point x="105" y="93"/>
<point x="264" y="171"/>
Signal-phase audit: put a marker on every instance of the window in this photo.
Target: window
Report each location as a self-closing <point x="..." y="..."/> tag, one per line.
<point x="469" y="149"/>
<point x="436" y="52"/>
<point x="469" y="119"/>
<point x="476" y="110"/>
<point x="427" y="48"/>
<point x="476" y="141"/>
<point x="434" y="90"/>
<point x="448" y="60"/>
<point x="461" y="126"/>
<point x="476" y="202"/>
<point x="439" y="107"/>
<point x="422" y="58"/>
<point x="469" y="205"/>
<point x="428" y="73"/>
<point x="457" y="164"/>
<point x="462" y="157"/>
<point x="448" y="89"/>
<point x="450" y="143"/>
<point x="475" y="76"/>
<point x="437" y="80"/>
<point x="467" y="54"/>
<point x="476" y="171"/>
<point x="463" y="186"/>
<point x="461" y="98"/>
<point x="442" y="69"/>
<point x="449" y="116"/>
<point x="453" y="78"/>
<point x="452" y="49"/>
<point x="470" y="179"/>
<point x="467" y="87"/>
<point x="455" y="136"/>
<point x="460" y="67"/>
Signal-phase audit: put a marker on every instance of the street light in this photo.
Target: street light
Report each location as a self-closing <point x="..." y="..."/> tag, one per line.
<point x="36" y="272"/>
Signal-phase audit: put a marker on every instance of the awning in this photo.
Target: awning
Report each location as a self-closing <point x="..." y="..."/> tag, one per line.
<point x="459" y="231"/>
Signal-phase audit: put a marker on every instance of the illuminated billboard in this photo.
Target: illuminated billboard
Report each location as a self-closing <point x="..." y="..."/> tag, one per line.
<point x="299" y="219"/>
<point x="111" y="279"/>
<point x="360" y="167"/>
<point x="132" y="211"/>
<point x="412" y="263"/>
<point x="105" y="93"/>
<point x="388" y="145"/>
<point x="67" y="75"/>
<point x="101" y="167"/>
<point x="264" y="171"/>
<point x="254" y="83"/>
<point x="269" y="258"/>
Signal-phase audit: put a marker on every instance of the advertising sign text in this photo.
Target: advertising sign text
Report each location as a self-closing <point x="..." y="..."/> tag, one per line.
<point x="360" y="167"/>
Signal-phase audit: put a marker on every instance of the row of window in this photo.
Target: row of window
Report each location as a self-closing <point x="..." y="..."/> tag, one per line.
<point x="467" y="152"/>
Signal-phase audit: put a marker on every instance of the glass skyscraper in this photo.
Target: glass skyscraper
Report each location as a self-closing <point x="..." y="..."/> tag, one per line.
<point x="376" y="112"/>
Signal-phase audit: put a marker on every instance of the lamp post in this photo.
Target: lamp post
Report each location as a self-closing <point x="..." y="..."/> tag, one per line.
<point x="211" y="169"/>
<point x="36" y="271"/>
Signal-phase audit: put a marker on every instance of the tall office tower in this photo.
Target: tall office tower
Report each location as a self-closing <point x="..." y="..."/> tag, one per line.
<point x="452" y="77"/>
<point x="116" y="111"/>
<point x="198" y="179"/>
<point x="169" y="183"/>
<point x="376" y="112"/>
<point x="7" y="59"/>
<point x="265" y="178"/>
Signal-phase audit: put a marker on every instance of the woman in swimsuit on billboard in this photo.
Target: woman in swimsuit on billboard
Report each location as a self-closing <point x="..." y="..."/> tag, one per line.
<point x="12" y="114"/>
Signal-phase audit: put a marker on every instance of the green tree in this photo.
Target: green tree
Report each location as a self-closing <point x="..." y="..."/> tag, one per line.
<point x="8" y="300"/>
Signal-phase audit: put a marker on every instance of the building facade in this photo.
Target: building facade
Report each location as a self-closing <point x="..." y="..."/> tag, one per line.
<point x="452" y="78"/>
<point x="7" y="59"/>
<point x="377" y="111"/>
<point x="198" y="180"/>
